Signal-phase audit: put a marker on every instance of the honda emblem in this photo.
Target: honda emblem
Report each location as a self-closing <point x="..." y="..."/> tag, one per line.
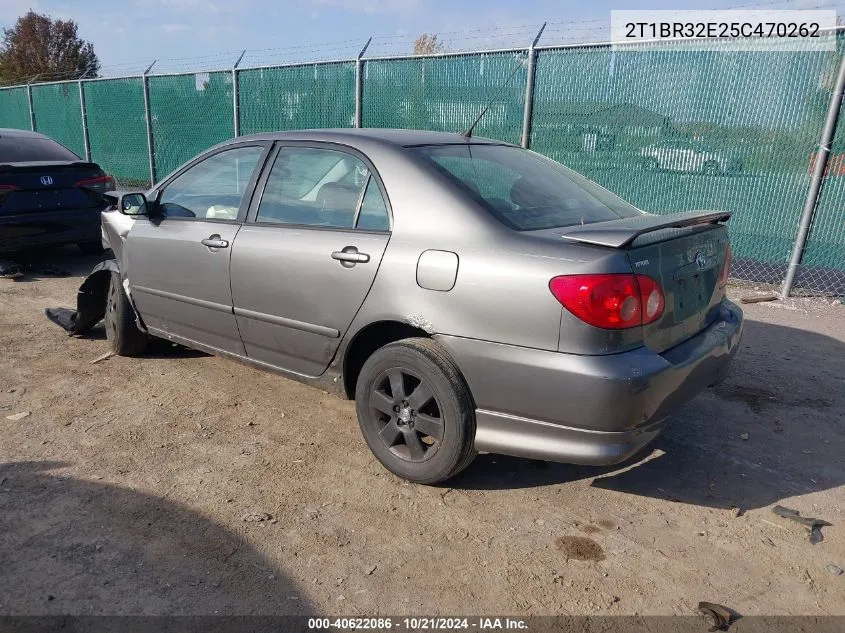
<point x="46" y="180"/>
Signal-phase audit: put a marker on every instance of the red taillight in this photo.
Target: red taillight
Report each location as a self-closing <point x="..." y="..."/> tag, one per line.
<point x="726" y="267"/>
<point x="100" y="183"/>
<point x="651" y="296"/>
<point x="610" y="301"/>
<point x="6" y="190"/>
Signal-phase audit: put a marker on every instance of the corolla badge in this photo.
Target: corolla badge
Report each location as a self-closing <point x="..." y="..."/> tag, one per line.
<point x="46" y="180"/>
<point x="700" y="260"/>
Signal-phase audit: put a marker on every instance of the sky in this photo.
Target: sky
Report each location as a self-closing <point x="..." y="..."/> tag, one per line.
<point x="191" y="34"/>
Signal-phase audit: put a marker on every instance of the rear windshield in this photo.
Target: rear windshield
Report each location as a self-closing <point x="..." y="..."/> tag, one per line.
<point x="20" y="149"/>
<point x="523" y="190"/>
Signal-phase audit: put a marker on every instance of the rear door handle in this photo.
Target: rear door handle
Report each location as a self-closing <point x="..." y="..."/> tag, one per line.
<point x="350" y="256"/>
<point x="215" y="241"/>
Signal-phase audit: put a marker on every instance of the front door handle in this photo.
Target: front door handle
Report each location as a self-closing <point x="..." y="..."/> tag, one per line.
<point x="350" y="256"/>
<point x="215" y="241"/>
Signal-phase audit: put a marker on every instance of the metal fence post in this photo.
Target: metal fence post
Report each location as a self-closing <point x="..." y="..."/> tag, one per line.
<point x="85" y="139"/>
<point x="529" y="90"/>
<point x="816" y="182"/>
<point x="359" y="84"/>
<point x="236" y="105"/>
<point x="148" y="119"/>
<point x="31" y="109"/>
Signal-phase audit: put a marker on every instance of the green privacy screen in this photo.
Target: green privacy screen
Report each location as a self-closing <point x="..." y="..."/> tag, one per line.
<point x="823" y="265"/>
<point x="189" y="113"/>
<point x="58" y="114"/>
<point x="117" y="129"/>
<point x="668" y="128"/>
<point x="14" y="108"/>
<point x="447" y="93"/>
<point x="297" y="97"/>
<point x="673" y="130"/>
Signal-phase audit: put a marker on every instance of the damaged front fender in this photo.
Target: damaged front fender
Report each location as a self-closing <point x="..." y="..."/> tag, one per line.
<point x="91" y="299"/>
<point x="115" y="228"/>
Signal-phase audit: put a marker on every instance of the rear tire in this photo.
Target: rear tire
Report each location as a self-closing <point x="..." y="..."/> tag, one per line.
<point x="91" y="248"/>
<point x="415" y="411"/>
<point x="121" y="330"/>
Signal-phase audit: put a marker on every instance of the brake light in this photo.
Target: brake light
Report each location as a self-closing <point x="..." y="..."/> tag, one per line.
<point x="5" y="192"/>
<point x="99" y="184"/>
<point x="651" y="296"/>
<point x="614" y="301"/>
<point x="726" y="267"/>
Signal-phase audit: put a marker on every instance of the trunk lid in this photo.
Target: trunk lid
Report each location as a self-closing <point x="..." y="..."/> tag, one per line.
<point x="34" y="187"/>
<point x="686" y="263"/>
<point x="683" y="252"/>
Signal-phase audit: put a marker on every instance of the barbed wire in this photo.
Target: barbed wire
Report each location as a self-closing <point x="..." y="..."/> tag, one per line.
<point x="557" y="32"/>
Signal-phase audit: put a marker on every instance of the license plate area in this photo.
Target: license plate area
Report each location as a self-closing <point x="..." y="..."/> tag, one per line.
<point x="690" y="296"/>
<point x="43" y="200"/>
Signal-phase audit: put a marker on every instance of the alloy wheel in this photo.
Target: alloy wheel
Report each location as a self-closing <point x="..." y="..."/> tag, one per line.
<point x="406" y="414"/>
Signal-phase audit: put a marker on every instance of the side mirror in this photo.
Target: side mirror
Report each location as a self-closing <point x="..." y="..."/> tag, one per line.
<point x="132" y="203"/>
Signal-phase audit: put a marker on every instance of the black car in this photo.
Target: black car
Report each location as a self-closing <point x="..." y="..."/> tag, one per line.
<point x="48" y="194"/>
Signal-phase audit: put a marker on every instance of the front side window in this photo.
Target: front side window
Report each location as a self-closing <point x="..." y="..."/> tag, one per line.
<point x="211" y="189"/>
<point x="320" y="187"/>
<point x="373" y="214"/>
<point x="523" y="190"/>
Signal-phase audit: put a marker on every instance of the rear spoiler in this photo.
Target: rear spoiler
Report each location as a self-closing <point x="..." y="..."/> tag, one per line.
<point x="41" y="165"/>
<point x="620" y="233"/>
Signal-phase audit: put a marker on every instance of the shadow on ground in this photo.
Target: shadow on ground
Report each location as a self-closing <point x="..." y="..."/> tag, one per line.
<point x="56" y="261"/>
<point x="775" y="428"/>
<point x="157" y="348"/>
<point x="79" y="547"/>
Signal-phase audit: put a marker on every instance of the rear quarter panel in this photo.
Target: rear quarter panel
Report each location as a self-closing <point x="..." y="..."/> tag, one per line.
<point x="501" y="293"/>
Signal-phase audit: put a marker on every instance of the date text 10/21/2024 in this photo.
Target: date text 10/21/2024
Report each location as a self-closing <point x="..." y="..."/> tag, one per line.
<point x="417" y="624"/>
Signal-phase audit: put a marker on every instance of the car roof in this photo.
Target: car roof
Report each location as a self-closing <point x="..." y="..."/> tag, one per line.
<point x="9" y="132"/>
<point x="402" y="138"/>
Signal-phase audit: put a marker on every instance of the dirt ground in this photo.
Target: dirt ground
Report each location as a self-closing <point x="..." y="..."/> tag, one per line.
<point x="133" y="487"/>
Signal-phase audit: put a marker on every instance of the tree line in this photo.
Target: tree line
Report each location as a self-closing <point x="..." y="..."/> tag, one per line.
<point x="40" y="48"/>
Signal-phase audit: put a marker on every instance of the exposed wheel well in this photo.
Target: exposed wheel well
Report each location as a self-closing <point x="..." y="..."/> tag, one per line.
<point x="367" y="341"/>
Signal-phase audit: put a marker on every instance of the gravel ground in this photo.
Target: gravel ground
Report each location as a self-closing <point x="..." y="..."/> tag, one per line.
<point x="183" y="483"/>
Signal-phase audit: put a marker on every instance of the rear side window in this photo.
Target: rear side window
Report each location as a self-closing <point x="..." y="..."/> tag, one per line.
<point x="373" y="214"/>
<point x="322" y="187"/>
<point x="523" y="190"/>
<point x="213" y="188"/>
<point x="21" y="149"/>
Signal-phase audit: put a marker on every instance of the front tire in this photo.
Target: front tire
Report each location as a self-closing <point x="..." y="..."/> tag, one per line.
<point x="121" y="331"/>
<point x="415" y="411"/>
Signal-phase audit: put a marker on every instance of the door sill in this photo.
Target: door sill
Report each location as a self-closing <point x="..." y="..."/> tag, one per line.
<point x="328" y="380"/>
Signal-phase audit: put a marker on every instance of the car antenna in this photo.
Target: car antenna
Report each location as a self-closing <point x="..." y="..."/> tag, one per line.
<point x="468" y="133"/>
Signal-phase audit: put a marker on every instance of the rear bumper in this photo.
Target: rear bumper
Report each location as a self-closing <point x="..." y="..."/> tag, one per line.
<point x="587" y="409"/>
<point x="49" y="228"/>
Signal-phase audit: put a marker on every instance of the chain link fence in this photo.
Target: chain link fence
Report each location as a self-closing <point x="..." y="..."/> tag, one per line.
<point x="14" y="108"/>
<point x="447" y="93"/>
<point x="677" y="130"/>
<point x="117" y="128"/>
<point x="57" y="110"/>
<point x="296" y="97"/>
<point x="667" y="128"/>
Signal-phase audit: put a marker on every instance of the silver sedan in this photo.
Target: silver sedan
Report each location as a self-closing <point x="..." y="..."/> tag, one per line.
<point x="468" y="294"/>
